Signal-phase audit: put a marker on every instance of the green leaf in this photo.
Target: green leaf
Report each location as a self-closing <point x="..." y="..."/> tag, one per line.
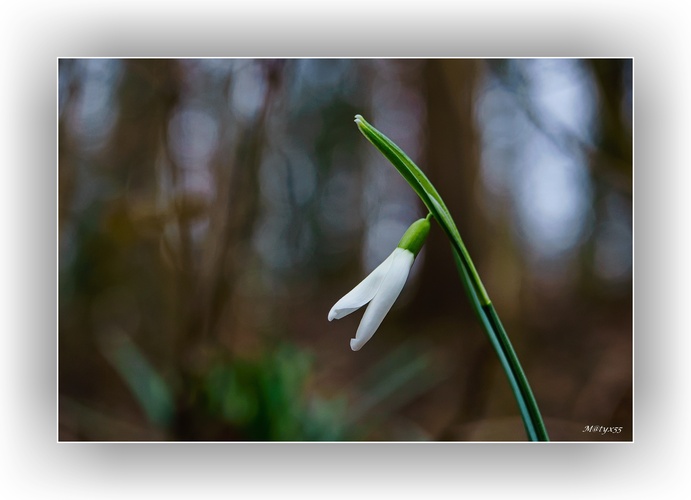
<point x="148" y="387"/>
<point x="427" y="193"/>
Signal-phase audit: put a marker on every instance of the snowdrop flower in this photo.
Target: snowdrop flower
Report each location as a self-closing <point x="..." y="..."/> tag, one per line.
<point x="383" y="286"/>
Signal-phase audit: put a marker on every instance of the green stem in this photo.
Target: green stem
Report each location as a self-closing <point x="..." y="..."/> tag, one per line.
<point x="532" y="420"/>
<point x="530" y="413"/>
<point x="517" y="373"/>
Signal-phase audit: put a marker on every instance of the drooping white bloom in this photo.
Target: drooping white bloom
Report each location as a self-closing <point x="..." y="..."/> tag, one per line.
<point x="383" y="285"/>
<point x="381" y="289"/>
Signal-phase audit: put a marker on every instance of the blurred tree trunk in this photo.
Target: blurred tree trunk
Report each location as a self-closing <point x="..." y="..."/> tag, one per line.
<point x="213" y="320"/>
<point x="148" y="96"/>
<point x="612" y="169"/>
<point x="615" y="141"/>
<point x="452" y="164"/>
<point x="114" y="284"/>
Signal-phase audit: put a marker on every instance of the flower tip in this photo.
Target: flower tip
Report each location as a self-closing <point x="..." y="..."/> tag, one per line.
<point x="355" y="344"/>
<point x="332" y="314"/>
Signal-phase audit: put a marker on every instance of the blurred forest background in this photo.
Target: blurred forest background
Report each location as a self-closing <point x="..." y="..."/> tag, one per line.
<point x="212" y="211"/>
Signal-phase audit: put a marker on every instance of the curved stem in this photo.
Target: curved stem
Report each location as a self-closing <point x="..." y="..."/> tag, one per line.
<point x="527" y="405"/>
<point x="530" y="413"/>
<point x="517" y="373"/>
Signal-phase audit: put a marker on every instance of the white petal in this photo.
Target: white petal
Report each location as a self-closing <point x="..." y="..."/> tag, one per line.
<point x="382" y="302"/>
<point x="363" y="292"/>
